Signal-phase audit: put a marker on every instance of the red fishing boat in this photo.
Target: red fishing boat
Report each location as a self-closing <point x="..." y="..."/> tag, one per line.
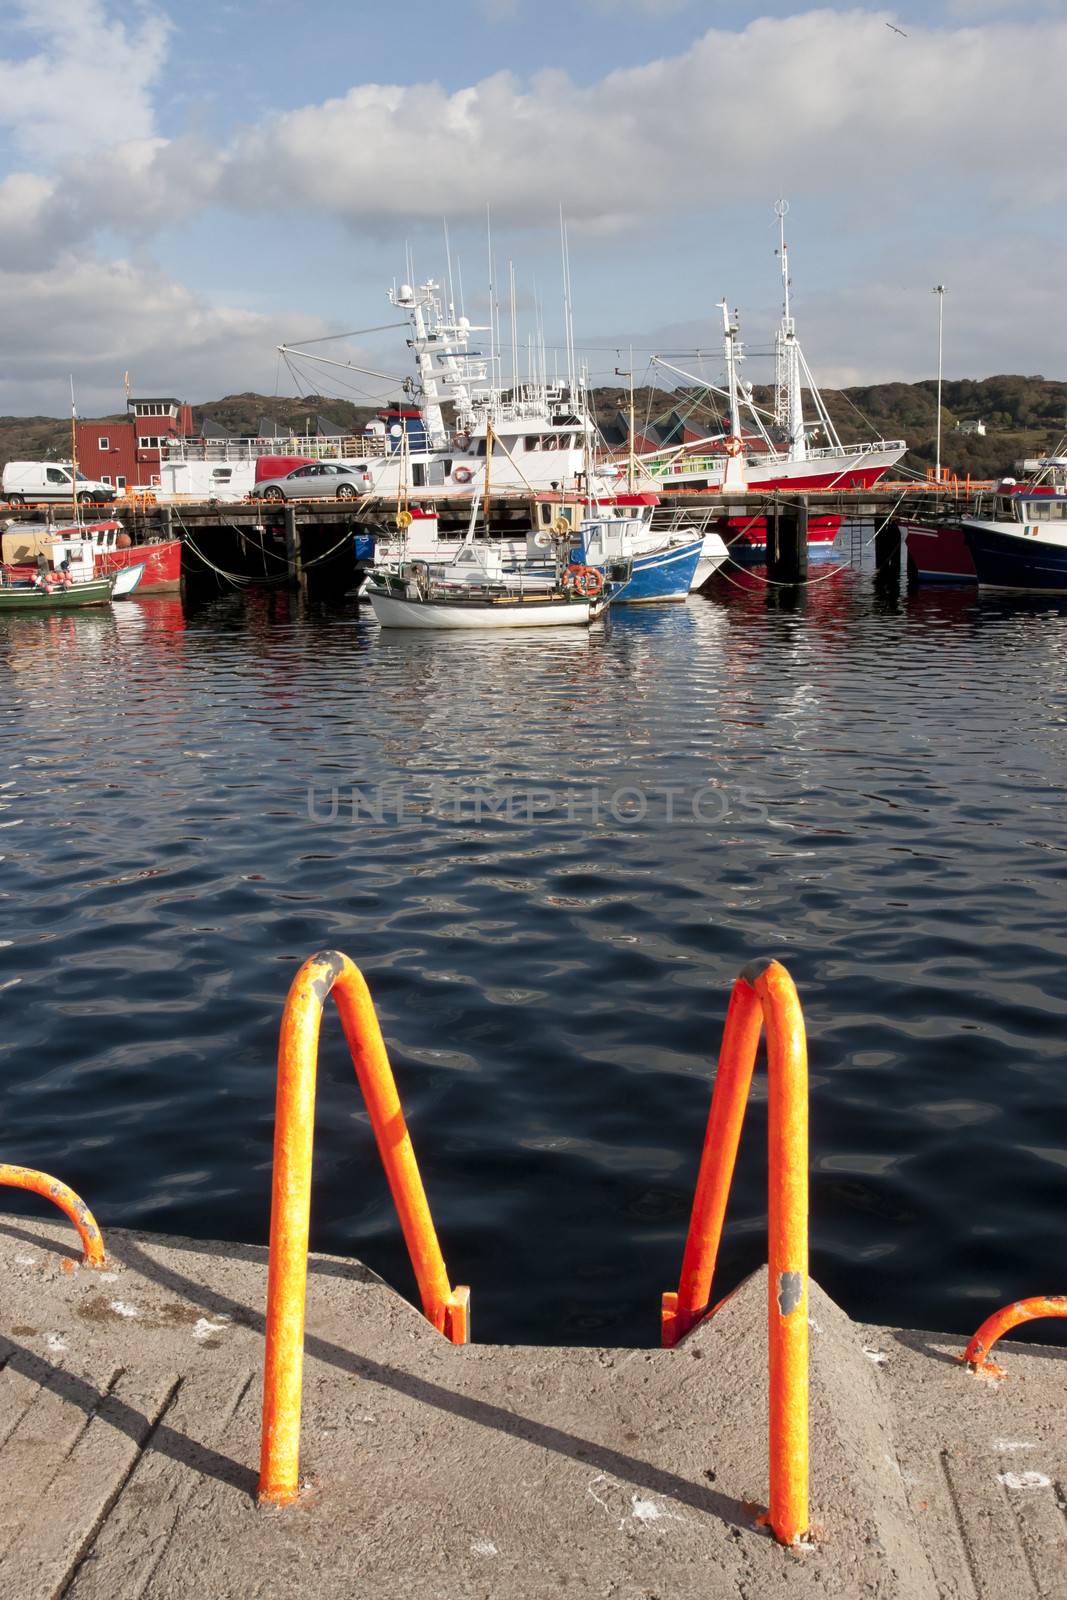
<point x="112" y="551"/>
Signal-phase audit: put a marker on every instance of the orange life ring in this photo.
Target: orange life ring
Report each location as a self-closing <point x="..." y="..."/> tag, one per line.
<point x="462" y="474"/>
<point x="461" y="440"/>
<point x="733" y="445"/>
<point x="587" y="581"/>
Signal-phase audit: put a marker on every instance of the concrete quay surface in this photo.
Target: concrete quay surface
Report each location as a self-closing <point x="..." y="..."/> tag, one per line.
<point x="129" y="1447"/>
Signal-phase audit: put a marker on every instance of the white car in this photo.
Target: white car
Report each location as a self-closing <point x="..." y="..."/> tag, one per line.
<point x="317" y="480"/>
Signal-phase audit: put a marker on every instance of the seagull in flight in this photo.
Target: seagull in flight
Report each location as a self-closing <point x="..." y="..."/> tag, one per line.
<point x="895" y="29"/>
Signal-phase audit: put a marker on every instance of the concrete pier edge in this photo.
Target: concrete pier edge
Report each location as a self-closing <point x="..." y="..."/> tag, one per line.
<point x="129" y="1443"/>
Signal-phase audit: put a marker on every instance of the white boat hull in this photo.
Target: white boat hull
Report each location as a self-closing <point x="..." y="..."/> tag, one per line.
<point x="127" y="580"/>
<point x="393" y="612"/>
<point x="712" y="556"/>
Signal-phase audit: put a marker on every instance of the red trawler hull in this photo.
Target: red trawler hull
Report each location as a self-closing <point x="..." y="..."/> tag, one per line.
<point x="162" y="565"/>
<point x="939" y="554"/>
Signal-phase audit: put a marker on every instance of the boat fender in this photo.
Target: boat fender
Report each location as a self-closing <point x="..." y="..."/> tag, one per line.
<point x="733" y="445"/>
<point x="462" y="474"/>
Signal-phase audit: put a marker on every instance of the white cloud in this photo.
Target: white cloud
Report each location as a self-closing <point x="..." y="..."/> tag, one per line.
<point x="827" y="103"/>
<point x="87" y="83"/>
<point x="827" y="106"/>
<point x="98" y="320"/>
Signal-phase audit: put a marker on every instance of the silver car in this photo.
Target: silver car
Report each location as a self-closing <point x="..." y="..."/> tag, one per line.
<point x="315" y="481"/>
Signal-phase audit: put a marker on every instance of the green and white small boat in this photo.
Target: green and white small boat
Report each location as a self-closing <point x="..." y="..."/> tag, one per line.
<point x="53" y="596"/>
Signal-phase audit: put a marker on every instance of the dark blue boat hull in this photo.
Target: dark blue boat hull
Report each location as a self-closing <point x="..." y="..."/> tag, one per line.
<point x="1012" y="561"/>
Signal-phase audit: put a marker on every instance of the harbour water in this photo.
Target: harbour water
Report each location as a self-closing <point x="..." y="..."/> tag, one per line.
<point x="551" y="855"/>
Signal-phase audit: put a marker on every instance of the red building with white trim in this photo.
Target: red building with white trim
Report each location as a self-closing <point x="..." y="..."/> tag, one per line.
<point x="127" y="454"/>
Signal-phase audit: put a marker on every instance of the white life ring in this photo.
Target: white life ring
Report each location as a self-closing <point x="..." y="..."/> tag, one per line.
<point x="542" y="540"/>
<point x="461" y="440"/>
<point x="462" y="474"/>
<point x="733" y="445"/>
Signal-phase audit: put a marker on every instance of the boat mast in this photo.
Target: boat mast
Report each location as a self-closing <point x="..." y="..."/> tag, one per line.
<point x="73" y="450"/>
<point x="788" y="394"/>
<point x="732" y="356"/>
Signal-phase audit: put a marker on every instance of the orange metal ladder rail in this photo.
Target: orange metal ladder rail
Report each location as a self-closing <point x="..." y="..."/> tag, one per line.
<point x="12" y="1177"/>
<point x="978" y="1352"/>
<point x="323" y="974"/>
<point x="763" y="995"/>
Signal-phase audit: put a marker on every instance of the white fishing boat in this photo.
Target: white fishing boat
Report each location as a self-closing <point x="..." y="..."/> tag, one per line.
<point x="641" y="525"/>
<point x="478" y="589"/>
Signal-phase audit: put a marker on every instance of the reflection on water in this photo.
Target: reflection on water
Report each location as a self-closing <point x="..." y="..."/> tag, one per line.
<point x="581" y="838"/>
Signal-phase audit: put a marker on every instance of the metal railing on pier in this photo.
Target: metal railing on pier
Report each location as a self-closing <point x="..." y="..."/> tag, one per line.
<point x="69" y="1203"/>
<point x="763" y="997"/>
<point x="446" y="1308"/>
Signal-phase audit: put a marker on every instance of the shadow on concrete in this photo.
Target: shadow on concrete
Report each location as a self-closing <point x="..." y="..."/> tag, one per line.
<point x="148" y="1433"/>
<point x="931" y="1345"/>
<point x="628" y="1469"/>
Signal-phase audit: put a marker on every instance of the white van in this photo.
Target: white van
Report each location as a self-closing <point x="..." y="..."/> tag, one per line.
<point x="34" y="481"/>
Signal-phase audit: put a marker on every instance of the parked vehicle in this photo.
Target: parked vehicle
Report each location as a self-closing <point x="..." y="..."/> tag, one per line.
<point x="38" y="481"/>
<point x="333" y="480"/>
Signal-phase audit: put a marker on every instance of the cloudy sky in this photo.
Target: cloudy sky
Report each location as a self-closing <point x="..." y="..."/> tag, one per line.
<point x="183" y="185"/>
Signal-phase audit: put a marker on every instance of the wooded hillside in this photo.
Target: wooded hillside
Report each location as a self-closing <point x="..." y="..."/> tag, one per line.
<point x="1024" y="416"/>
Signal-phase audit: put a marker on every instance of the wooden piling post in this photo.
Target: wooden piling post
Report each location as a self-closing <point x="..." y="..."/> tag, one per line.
<point x="787" y="542"/>
<point x="887" y="542"/>
<point x="292" y="548"/>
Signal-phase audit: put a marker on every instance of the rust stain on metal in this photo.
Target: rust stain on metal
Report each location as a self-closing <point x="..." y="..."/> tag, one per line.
<point x="754" y="970"/>
<point x="333" y="964"/>
<point x="790" y="1291"/>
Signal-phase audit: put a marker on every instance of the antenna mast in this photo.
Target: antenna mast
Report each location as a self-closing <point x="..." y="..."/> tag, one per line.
<point x="788" y="397"/>
<point x="733" y="356"/>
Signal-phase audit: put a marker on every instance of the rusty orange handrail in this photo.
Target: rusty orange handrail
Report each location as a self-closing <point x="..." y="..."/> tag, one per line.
<point x="323" y="974"/>
<point x="67" y="1201"/>
<point x="980" y="1349"/>
<point x="763" y="995"/>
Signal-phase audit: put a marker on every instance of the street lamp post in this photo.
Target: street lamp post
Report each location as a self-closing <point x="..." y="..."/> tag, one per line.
<point x="939" y="290"/>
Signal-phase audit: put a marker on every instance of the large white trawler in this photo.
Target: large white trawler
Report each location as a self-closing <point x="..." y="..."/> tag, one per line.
<point x="541" y="431"/>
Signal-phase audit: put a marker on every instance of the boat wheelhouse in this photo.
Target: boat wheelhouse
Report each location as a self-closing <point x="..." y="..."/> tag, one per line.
<point x="1022" y="543"/>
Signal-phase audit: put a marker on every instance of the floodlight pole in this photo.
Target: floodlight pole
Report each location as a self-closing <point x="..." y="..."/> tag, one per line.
<point x="939" y="290"/>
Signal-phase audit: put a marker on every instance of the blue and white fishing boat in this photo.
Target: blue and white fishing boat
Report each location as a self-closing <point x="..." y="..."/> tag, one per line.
<point x="659" y="569"/>
<point x="1024" y="546"/>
